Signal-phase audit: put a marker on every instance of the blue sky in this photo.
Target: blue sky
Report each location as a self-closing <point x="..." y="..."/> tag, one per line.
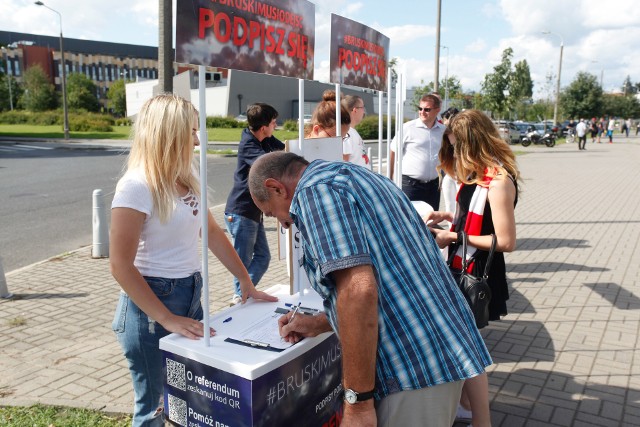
<point x="599" y="38"/>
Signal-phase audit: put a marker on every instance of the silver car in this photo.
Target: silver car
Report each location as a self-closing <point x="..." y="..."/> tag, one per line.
<point x="508" y="131"/>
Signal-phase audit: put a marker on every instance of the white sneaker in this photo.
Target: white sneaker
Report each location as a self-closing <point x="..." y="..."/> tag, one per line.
<point x="237" y="299"/>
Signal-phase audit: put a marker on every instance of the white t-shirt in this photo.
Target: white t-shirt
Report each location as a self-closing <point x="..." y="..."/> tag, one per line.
<point x="167" y="250"/>
<point x="354" y="147"/>
<point x="420" y="149"/>
<point x="581" y="129"/>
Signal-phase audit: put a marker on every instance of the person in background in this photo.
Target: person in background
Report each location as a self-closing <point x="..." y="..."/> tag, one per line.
<point x="485" y="165"/>
<point x="627" y="127"/>
<point x="421" y="142"/>
<point x="243" y="219"/>
<point x="323" y="120"/>
<point x="408" y="339"/>
<point x="593" y="128"/>
<point x="610" y="128"/>
<point x="581" y="132"/>
<point x="155" y="228"/>
<point x="449" y="186"/>
<point x="353" y="147"/>
<point x="602" y="128"/>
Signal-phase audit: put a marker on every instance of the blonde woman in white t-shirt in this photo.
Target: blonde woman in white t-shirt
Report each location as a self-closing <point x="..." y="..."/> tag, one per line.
<point x="155" y="228"/>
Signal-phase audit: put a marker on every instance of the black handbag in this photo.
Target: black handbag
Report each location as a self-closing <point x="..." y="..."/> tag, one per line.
<point x="475" y="289"/>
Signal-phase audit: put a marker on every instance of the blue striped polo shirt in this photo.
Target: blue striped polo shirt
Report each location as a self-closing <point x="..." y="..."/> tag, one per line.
<point x="349" y="216"/>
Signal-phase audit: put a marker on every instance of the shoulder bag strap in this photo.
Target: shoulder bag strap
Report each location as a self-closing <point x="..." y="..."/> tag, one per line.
<point x="465" y="241"/>
<point x="487" y="266"/>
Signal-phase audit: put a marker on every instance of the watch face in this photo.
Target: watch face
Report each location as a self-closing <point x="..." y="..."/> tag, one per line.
<point x="350" y="396"/>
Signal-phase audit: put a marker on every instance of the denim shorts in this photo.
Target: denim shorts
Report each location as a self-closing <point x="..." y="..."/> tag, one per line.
<point x="139" y="337"/>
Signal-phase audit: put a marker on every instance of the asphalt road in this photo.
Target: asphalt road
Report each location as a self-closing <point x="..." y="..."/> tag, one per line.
<point x="46" y="196"/>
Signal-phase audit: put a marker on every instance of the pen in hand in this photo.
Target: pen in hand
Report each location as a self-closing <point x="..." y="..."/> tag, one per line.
<point x="295" y="311"/>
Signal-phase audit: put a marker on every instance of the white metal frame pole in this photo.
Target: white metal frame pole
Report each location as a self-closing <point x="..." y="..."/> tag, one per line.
<point x="399" y="129"/>
<point x="389" y="91"/>
<point x="338" y="111"/>
<point x="300" y="113"/>
<point x="380" y="128"/>
<point x="204" y="208"/>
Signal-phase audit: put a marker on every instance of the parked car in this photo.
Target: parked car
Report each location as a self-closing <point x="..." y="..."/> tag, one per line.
<point x="241" y="117"/>
<point x="508" y="131"/>
<point x="307" y="119"/>
<point x="523" y="128"/>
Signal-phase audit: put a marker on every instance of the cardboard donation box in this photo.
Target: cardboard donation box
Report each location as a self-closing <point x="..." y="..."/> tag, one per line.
<point x="248" y="376"/>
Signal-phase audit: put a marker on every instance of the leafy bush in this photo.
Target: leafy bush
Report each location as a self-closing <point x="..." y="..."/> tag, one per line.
<point x="90" y="122"/>
<point x="17" y="117"/>
<point x="368" y="127"/>
<point x="123" y="122"/>
<point x="290" y="125"/>
<point x="224" y="122"/>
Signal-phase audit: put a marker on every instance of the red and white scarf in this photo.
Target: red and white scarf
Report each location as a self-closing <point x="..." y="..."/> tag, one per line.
<point x="473" y="223"/>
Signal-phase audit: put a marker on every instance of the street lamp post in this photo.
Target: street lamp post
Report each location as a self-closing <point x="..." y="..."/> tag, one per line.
<point x="555" y="107"/>
<point x="446" y="82"/>
<point x="6" y="61"/>
<point x="601" y="73"/>
<point x="64" y="74"/>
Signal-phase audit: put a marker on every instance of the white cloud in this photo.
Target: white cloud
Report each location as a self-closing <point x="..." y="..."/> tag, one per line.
<point x="478" y="45"/>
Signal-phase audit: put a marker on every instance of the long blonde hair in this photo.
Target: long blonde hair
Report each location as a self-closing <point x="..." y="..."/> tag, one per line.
<point x="478" y="148"/>
<point x="163" y="148"/>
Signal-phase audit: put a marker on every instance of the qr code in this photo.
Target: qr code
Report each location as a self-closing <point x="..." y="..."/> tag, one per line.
<point x="175" y="374"/>
<point x="177" y="410"/>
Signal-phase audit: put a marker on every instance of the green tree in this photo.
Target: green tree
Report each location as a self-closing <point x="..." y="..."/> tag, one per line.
<point x="496" y="85"/>
<point x="620" y="106"/>
<point x="39" y="93"/>
<point x="81" y="93"/>
<point x="629" y="88"/>
<point x="117" y="97"/>
<point x="16" y="91"/>
<point x="583" y="97"/>
<point x="520" y="88"/>
<point x="451" y="84"/>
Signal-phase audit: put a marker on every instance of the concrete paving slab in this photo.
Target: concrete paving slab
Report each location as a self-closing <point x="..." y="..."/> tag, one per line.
<point x="568" y="353"/>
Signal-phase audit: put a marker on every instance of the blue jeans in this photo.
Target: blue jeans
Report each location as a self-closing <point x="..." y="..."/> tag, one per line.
<point x="250" y="242"/>
<point x="139" y="338"/>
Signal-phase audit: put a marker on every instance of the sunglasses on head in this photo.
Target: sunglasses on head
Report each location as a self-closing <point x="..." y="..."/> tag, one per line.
<point x="425" y="109"/>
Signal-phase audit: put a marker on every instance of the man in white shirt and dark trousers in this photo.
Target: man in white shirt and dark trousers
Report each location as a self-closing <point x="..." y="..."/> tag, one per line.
<point x="581" y="132"/>
<point x="421" y="143"/>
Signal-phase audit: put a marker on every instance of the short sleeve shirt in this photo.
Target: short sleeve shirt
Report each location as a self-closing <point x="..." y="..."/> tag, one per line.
<point x="420" y="149"/>
<point x="349" y="216"/>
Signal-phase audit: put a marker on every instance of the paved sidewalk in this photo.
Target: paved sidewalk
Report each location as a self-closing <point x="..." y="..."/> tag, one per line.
<point x="568" y="354"/>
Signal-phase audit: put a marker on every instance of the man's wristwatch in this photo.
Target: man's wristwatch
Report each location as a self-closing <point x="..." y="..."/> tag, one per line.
<point x="353" y="397"/>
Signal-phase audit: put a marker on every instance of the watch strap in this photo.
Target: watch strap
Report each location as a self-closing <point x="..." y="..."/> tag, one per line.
<point x="365" y="396"/>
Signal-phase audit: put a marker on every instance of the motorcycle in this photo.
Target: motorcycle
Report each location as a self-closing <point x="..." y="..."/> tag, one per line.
<point x="532" y="136"/>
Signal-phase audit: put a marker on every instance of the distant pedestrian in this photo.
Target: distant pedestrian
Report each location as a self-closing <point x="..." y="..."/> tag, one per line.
<point x="602" y="127"/>
<point x="638" y="127"/>
<point x="593" y="128"/>
<point x="155" y="228"/>
<point x="627" y="126"/>
<point x="610" y="127"/>
<point x="581" y="132"/>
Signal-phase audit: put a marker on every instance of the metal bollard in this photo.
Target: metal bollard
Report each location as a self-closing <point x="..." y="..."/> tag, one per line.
<point x="100" y="227"/>
<point x="4" y="291"/>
